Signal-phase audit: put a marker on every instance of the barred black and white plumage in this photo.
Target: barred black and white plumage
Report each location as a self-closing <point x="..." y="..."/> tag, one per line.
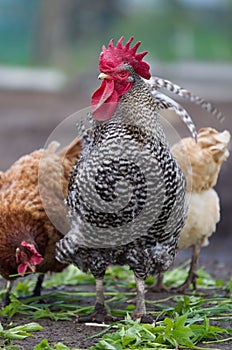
<point x="126" y="193"/>
<point x="158" y="83"/>
<point x="165" y="102"/>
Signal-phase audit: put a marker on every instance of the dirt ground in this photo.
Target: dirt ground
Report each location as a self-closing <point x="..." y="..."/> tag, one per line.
<point x="74" y="334"/>
<point x="27" y="120"/>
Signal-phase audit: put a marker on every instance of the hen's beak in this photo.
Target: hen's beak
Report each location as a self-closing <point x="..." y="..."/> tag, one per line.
<point x="103" y="76"/>
<point x="31" y="267"/>
<point x="17" y="252"/>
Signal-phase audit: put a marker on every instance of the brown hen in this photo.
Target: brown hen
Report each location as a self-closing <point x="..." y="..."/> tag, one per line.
<point x="27" y="236"/>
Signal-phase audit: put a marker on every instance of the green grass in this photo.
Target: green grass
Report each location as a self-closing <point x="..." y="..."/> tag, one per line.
<point x="171" y="333"/>
<point x="180" y="320"/>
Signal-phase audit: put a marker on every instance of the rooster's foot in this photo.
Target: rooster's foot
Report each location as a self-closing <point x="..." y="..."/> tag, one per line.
<point x="144" y="318"/>
<point x="100" y="315"/>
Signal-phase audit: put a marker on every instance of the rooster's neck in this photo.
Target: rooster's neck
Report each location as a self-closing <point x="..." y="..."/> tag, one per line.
<point x="138" y="108"/>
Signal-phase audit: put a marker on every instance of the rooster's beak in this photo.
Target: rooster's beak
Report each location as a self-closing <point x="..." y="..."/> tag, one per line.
<point x="103" y="76"/>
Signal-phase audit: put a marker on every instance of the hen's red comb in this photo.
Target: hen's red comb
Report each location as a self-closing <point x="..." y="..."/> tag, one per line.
<point x="111" y="57"/>
<point x="36" y="257"/>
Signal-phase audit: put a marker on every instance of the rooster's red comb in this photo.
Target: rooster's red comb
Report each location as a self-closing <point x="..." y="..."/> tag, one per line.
<point x="111" y="57"/>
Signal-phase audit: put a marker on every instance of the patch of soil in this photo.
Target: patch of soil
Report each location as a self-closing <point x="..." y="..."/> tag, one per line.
<point x="74" y="334"/>
<point x="70" y="333"/>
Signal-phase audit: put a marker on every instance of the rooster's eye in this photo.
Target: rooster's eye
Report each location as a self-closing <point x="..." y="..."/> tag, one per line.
<point x="123" y="74"/>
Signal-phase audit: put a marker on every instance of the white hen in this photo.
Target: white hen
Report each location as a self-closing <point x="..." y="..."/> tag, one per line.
<point x="201" y="163"/>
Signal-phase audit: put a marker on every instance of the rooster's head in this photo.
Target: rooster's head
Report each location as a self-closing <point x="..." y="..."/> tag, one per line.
<point x="118" y="66"/>
<point x="27" y="257"/>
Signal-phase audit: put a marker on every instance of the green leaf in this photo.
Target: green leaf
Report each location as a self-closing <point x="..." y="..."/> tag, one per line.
<point x="29" y="327"/>
<point x="43" y="345"/>
<point x="105" y="345"/>
<point x="20" y="332"/>
<point x="60" y="346"/>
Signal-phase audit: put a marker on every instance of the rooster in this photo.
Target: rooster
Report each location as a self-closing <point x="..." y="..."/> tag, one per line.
<point x="27" y="236"/>
<point x="201" y="163"/>
<point x="116" y="216"/>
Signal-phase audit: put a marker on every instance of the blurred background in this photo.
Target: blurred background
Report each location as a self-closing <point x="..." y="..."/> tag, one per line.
<point x="49" y="53"/>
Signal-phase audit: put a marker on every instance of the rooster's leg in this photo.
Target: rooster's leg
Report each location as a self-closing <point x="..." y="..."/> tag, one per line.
<point x="99" y="291"/>
<point x="100" y="314"/>
<point x="140" y="309"/>
<point x="6" y="298"/>
<point x="192" y="275"/>
<point x="159" y="285"/>
<point x="38" y="286"/>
